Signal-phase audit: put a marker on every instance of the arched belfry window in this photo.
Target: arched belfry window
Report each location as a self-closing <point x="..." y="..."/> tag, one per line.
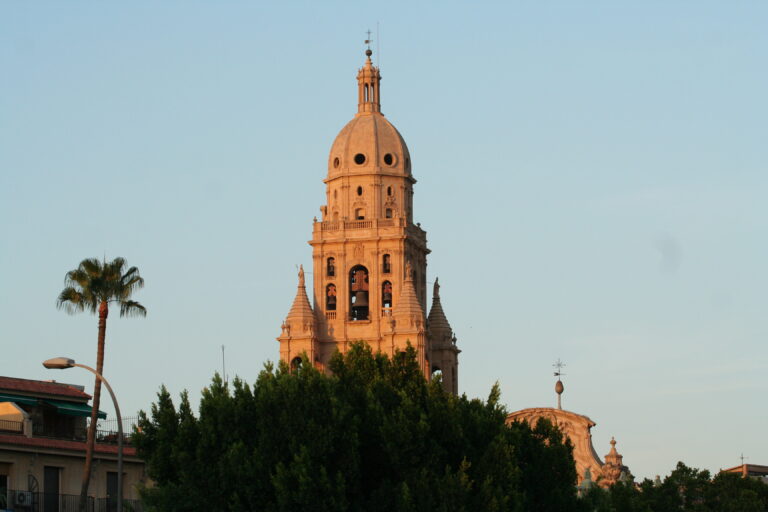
<point x="358" y="293"/>
<point x="330" y="297"/>
<point x="386" y="294"/>
<point x="295" y="364"/>
<point x="365" y="93"/>
<point x="388" y="213"/>
<point x="330" y="267"/>
<point x="386" y="264"/>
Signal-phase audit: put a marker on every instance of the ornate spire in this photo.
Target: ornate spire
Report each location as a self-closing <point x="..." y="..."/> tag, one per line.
<point x="300" y="318"/>
<point x="368" y="81"/>
<point x="408" y="307"/>
<point x="614" y="457"/>
<point x="437" y="322"/>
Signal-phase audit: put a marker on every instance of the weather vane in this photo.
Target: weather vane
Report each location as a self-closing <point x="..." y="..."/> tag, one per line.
<point x="559" y="388"/>
<point x="559" y="365"/>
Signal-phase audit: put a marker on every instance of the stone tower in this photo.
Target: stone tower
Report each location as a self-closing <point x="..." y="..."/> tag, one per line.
<point x="369" y="258"/>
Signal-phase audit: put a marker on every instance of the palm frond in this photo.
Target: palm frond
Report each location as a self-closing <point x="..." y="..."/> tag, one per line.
<point x="71" y="301"/>
<point x="132" y="308"/>
<point x="92" y="266"/>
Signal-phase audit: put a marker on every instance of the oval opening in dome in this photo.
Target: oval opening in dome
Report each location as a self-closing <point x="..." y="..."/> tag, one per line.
<point x="336" y="163"/>
<point x="359" y="159"/>
<point x="389" y="159"/>
<point x="359" y="191"/>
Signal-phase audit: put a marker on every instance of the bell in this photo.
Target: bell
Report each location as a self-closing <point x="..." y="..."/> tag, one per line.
<point x="387" y="297"/>
<point x="361" y="300"/>
<point x="332" y="300"/>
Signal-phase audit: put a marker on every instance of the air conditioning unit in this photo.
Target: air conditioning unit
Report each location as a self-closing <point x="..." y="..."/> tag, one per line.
<point x="23" y="499"/>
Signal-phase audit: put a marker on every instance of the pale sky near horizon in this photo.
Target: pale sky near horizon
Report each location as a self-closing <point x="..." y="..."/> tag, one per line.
<point x="591" y="177"/>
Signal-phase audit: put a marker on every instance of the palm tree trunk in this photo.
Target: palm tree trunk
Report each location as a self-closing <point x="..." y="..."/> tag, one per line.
<point x="91" y="439"/>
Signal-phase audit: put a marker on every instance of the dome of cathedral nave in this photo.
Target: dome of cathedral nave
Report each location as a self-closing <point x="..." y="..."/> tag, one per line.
<point x="369" y="143"/>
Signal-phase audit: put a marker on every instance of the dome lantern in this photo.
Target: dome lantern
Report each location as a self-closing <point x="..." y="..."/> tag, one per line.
<point x="368" y="82"/>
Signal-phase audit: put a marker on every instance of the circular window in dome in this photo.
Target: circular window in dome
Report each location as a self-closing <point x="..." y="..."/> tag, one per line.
<point x="389" y="159"/>
<point x="359" y="159"/>
<point x="336" y="163"/>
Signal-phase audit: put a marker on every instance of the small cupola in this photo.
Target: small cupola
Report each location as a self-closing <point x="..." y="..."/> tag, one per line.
<point x="368" y="80"/>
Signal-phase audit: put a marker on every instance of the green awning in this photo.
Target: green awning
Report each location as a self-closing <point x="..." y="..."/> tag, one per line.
<point x="74" y="409"/>
<point x="26" y="400"/>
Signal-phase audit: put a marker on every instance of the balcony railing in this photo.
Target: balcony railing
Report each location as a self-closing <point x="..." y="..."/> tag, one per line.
<point x="44" y="502"/>
<point x="78" y="434"/>
<point x="330" y="315"/>
<point x="16" y="427"/>
<point x="336" y="225"/>
<point x="386" y="312"/>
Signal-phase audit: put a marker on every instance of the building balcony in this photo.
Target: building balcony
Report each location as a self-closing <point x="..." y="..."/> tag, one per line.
<point x="339" y="225"/>
<point x="66" y="431"/>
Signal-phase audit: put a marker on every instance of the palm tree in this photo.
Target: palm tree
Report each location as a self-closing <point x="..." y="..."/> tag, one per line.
<point x="92" y="286"/>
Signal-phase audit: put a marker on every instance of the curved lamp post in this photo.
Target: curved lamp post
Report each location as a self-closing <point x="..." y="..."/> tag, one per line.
<point x="62" y="363"/>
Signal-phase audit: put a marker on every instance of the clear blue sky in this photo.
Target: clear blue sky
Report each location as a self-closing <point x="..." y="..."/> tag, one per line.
<point x="592" y="178"/>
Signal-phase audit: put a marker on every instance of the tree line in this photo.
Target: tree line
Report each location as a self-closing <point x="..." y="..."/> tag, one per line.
<point x="373" y="436"/>
<point x="376" y="436"/>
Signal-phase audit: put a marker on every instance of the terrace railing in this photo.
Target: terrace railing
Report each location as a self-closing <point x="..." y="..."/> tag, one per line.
<point x="15" y="427"/>
<point x="26" y="501"/>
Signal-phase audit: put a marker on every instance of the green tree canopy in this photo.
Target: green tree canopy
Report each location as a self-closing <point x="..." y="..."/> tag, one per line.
<point x="373" y="436"/>
<point x="685" y="489"/>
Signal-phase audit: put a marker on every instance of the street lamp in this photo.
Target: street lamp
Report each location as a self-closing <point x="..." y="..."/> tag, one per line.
<point x="62" y="363"/>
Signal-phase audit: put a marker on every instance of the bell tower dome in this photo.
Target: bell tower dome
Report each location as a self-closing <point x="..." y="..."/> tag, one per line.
<point x="369" y="258"/>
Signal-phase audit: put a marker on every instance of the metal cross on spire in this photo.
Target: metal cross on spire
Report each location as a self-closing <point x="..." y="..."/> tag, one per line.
<point x="368" y="39"/>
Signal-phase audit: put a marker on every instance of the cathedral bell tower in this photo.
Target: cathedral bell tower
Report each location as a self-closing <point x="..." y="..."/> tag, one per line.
<point x="369" y="258"/>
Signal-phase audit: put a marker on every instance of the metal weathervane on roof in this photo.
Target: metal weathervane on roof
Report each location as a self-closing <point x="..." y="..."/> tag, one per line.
<point x="559" y="388"/>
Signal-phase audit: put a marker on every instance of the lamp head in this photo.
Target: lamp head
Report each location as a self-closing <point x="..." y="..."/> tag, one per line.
<point x="59" y="363"/>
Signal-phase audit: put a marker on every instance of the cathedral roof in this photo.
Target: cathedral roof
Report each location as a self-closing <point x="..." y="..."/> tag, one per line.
<point x="437" y="321"/>
<point x="369" y="143"/>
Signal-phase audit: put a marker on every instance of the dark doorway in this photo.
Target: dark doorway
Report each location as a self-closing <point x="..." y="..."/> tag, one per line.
<point x="111" y="491"/>
<point x="4" y="492"/>
<point x="51" y="489"/>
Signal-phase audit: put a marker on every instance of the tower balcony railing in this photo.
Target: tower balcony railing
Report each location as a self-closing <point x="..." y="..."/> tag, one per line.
<point x="338" y="225"/>
<point x="330" y="315"/>
<point x="386" y="312"/>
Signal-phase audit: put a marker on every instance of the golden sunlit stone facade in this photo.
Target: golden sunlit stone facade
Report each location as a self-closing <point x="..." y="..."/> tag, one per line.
<point x="590" y="470"/>
<point x="369" y="258"/>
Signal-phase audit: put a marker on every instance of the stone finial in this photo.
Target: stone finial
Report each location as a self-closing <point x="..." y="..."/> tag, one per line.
<point x="301" y="276"/>
<point x="436" y="289"/>
<point x="408" y="271"/>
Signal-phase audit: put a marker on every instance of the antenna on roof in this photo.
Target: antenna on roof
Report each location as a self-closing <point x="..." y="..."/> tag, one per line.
<point x="223" y="366"/>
